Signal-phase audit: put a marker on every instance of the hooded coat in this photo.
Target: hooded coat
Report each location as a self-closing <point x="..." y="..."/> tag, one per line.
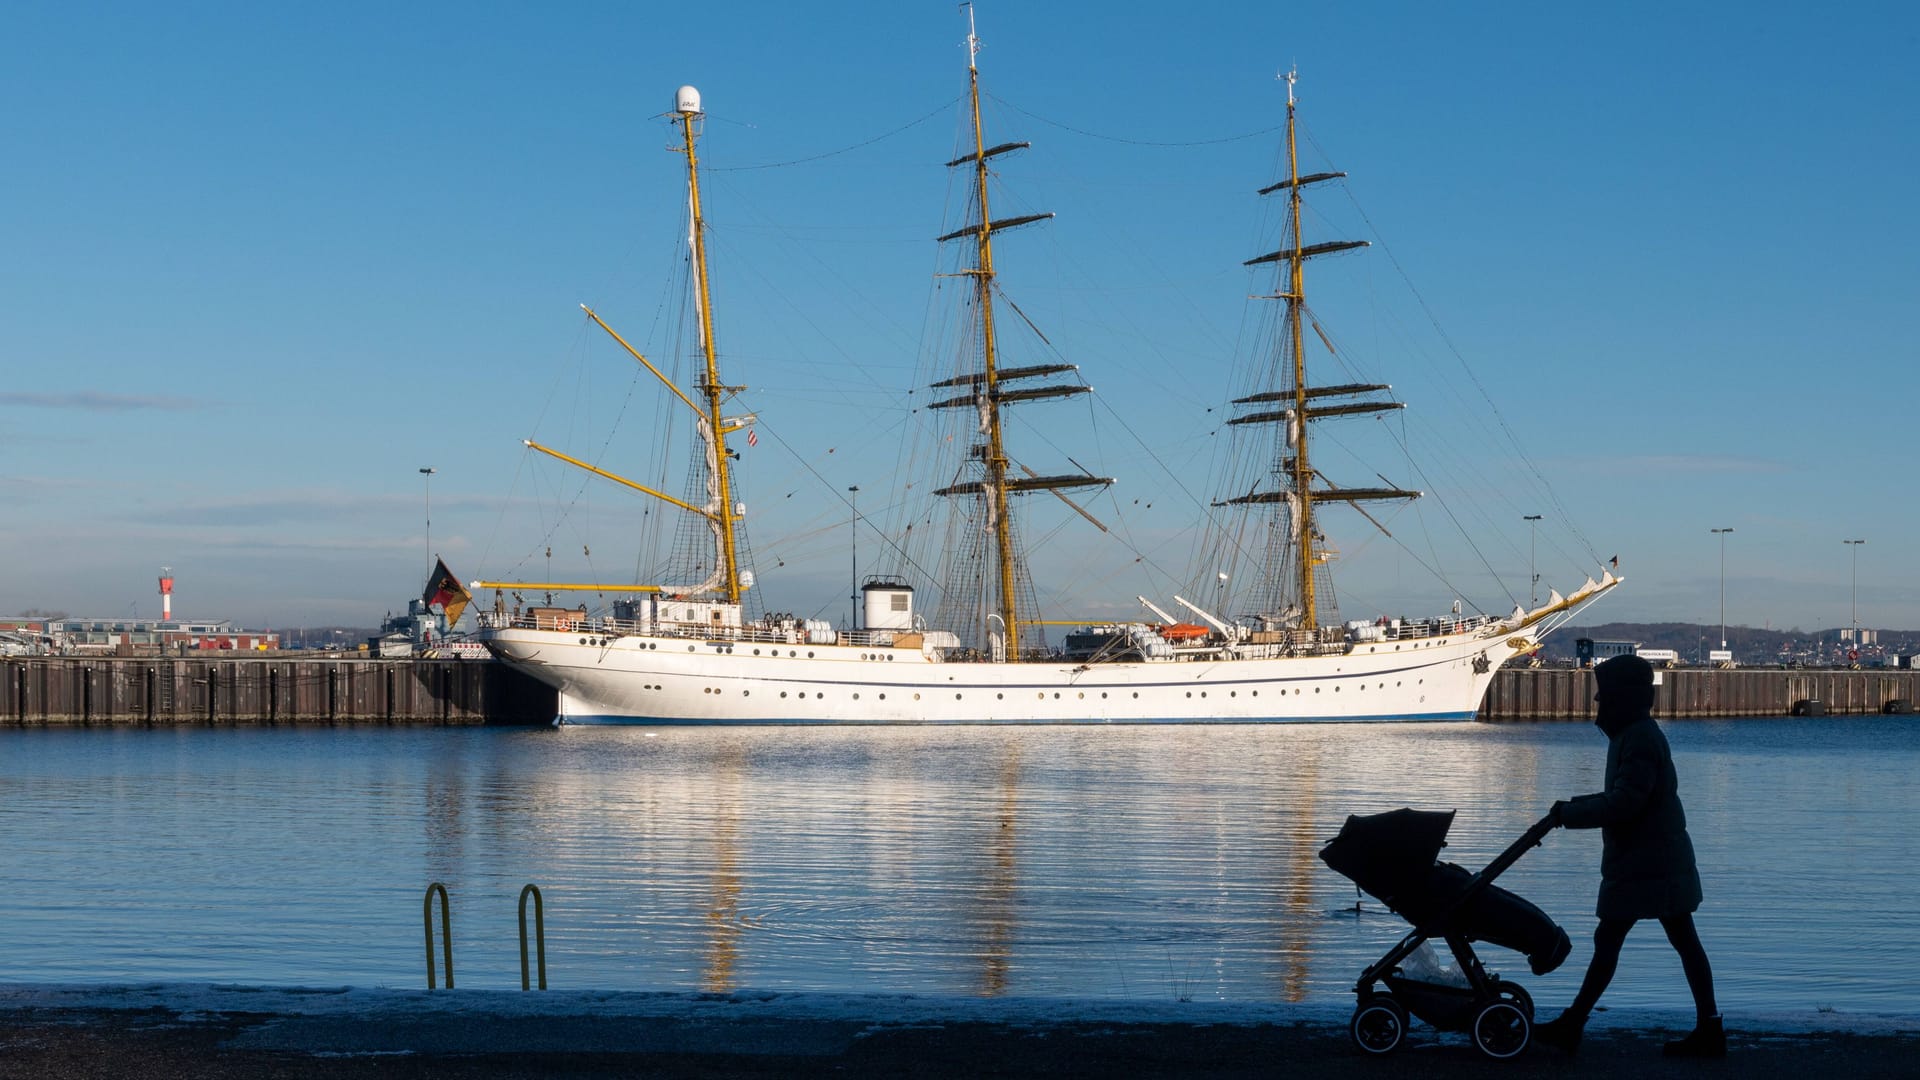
<point x="1647" y="868"/>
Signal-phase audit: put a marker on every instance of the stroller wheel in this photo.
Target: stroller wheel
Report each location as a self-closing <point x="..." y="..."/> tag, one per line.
<point x="1514" y="992"/>
<point x="1378" y="1025"/>
<point x="1502" y="1030"/>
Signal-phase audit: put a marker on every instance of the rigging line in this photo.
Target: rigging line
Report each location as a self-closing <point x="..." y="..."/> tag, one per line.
<point x="888" y="540"/>
<point x="1471" y="546"/>
<point x="936" y="111"/>
<point x="1499" y="418"/>
<point x="1131" y="142"/>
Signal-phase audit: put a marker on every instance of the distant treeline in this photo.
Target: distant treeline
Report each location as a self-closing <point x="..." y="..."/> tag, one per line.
<point x="1749" y="645"/>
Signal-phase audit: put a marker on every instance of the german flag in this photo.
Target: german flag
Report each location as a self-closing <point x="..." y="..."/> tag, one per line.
<point x="445" y="592"/>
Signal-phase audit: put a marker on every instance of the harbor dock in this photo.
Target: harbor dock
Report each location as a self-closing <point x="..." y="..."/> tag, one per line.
<point x="153" y="691"/>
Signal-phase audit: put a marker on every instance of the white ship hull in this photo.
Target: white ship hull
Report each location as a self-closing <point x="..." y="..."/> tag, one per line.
<point x="606" y="678"/>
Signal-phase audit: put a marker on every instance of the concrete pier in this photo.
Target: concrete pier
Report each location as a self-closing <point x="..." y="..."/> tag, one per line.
<point x="1705" y="693"/>
<point x="59" y="691"/>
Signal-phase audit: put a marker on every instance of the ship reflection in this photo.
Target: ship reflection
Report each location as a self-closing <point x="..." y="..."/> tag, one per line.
<point x="724" y="926"/>
<point x="994" y="911"/>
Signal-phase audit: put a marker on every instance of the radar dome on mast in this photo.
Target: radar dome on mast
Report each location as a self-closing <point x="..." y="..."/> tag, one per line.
<point x="686" y="100"/>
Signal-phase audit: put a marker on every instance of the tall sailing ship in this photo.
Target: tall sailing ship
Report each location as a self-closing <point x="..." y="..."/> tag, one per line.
<point x="693" y="652"/>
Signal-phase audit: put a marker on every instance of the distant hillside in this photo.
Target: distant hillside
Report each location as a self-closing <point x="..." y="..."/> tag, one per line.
<point x="1749" y="645"/>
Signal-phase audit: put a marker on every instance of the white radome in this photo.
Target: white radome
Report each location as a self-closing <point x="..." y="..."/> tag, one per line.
<point x="686" y="100"/>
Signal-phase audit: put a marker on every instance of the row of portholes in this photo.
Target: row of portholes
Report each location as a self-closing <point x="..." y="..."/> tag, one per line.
<point x="1042" y="695"/>
<point x="790" y="652"/>
<point x="604" y="642"/>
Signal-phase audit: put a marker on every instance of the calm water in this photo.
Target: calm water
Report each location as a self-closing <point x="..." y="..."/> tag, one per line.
<point x="1133" y="862"/>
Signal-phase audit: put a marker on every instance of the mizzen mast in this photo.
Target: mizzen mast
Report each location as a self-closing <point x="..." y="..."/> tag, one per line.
<point x="687" y="107"/>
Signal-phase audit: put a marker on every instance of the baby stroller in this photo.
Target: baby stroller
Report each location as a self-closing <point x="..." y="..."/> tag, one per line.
<point x="1393" y="857"/>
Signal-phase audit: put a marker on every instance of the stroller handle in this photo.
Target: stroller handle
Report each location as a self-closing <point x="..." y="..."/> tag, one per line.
<point x="1535" y="833"/>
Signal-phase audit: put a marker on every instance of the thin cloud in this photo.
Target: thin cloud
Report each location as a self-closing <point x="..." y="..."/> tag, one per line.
<point x="1704" y="463"/>
<point x="95" y="401"/>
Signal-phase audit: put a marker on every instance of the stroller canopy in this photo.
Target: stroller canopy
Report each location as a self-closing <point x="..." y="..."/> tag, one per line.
<point x="1384" y="853"/>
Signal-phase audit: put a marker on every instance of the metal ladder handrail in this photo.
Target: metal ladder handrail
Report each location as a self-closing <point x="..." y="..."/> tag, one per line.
<point x="540" y="936"/>
<point x="446" y="931"/>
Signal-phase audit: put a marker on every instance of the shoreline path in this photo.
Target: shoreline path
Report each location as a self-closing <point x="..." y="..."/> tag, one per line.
<point x="177" y="1030"/>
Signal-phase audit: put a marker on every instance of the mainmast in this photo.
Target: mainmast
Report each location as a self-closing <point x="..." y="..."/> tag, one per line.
<point x="687" y="105"/>
<point x="1300" y="498"/>
<point x="985" y="392"/>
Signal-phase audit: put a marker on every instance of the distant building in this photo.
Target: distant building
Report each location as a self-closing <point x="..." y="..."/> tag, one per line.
<point x="1590" y="652"/>
<point x="134" y="637"/>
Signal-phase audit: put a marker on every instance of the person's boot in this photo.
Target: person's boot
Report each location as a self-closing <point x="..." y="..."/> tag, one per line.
<point x="1709" y="1040"/>
<point x="1562" y="1032"/>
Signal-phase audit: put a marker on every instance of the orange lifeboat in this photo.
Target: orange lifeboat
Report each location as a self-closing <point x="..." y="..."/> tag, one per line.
<point x="1179" y="632"/>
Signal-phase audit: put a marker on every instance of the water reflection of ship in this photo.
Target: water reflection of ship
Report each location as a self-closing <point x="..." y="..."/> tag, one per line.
<point x="995" y="910"/>
<point x="1299" y="914"/>
<point x="725" y="926"/>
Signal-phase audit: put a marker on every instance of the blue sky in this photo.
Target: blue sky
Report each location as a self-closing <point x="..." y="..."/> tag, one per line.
<point x="260" y="263"/>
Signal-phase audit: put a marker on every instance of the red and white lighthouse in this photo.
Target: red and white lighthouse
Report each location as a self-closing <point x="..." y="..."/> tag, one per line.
<point x="166" y="594"/>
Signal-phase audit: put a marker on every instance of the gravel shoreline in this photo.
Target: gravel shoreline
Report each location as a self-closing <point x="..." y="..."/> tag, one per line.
<point x="164" y="1031"/>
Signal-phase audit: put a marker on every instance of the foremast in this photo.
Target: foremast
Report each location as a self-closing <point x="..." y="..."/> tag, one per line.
<point x="1294" y="464"/>
<point x="985" y="386"/>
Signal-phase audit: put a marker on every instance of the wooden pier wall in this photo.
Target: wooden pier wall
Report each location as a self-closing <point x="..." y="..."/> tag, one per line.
<point x="53" y="691"/>
<point x="1702" y="693"/>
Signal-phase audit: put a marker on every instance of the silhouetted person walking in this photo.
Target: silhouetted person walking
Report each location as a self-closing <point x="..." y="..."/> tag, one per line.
<point x="1646" y="864"/>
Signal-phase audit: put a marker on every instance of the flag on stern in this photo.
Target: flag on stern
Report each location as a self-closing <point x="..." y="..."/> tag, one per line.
<point x="445" y="591"/>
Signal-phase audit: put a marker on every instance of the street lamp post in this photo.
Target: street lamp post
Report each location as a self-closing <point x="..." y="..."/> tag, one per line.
<point x="1722" y="533"/>
<point x="428" y="474"/>
<point x="853" y="599"/>
<point x="1854" y="545"/>
<point x="1533" y="579"/>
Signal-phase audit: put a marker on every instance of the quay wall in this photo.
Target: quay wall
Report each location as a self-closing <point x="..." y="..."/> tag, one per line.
<point x="57" y="691"/>
<point x="1704" y="693"/>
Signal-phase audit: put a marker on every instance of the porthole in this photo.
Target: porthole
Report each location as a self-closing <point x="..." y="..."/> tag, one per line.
<point x="809" y="655"/>
<point x="1103" y="695"/>
<point x="883" y="697"/>
<point x="746" y="693"/>
<point x="1056" y="695"/>
<point x="999" y="697"/>
<point x="756" y="652"/>
<point x="1189" y="693"/>
<point x="956" y="697"/>
<point x="1081" y="696"/>
<point x="689" y="648"/>
<point x="856" y="697"/>
<point x="792" y="652"/>
<point x="1136" y="694"/>
<point x="1233" y="693"/>
<point x="1203" y="693"/>
<point x="1316" y="689"/>
<point x="916" y="697"/>
<point x="1256" y="693"/>
<point x="783" y="693"/>
<point x="583" y="641"/>
<point x="818" y="696"/>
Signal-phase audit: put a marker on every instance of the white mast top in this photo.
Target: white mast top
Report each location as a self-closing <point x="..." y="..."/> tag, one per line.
<point x="1291" y="76"/>
<point x="973" y="40"/>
